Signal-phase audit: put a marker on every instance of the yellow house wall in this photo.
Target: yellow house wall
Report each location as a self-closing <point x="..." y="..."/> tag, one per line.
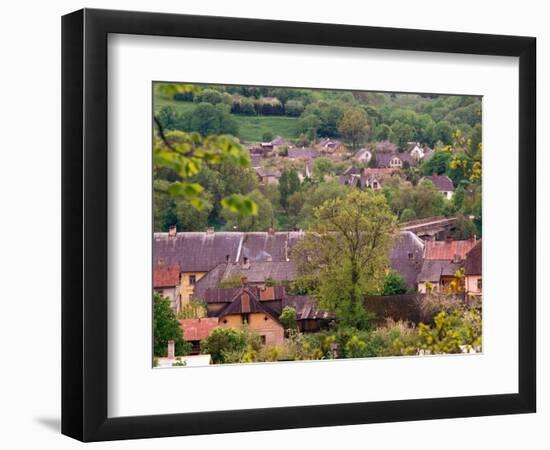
<point x="186" y="288"/>
<point x="272" y="330"/>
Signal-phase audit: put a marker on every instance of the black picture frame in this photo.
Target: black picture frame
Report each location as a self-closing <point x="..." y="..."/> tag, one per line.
<point x="84" y="224"/>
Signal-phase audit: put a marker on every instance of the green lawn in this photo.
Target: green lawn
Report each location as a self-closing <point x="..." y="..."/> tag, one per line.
<point x="251" y="128"/>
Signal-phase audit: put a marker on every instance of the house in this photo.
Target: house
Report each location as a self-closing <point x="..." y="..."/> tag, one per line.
<point x="266" y="178"/>
<point x="332" y="148"/>
<point x="255" y="160"/>
<point x="443" y="265"/>
<point x="199" y="253"/>
<point x="197" y="330"/>
<point x="443" y="184"/>
<point x="472" y="270"/>
<point x="363" y="155"/>
<point x="278" y="141"/>
<point x="364" y="178"/>
<point x="407" y="256"/>
<point x="393" y="160"/>
<point x="418" y="152"/>
<point x="272" y="299"/>
<point x="302" y="153"/>
<point x="166" y="282"/>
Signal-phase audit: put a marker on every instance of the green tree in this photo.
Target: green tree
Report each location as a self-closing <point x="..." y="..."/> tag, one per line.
<point x="424" y="199"/>
<point x="267" y="136"/>
<point x="347" y="253"/>
<point x="208" y="119"/>
<point x="310" y="125"/>
<point x="321" y="168"/>
<point x="166" y="327"/>
<point x="402" y="133"/>
<point x="354" y="125"/>
<point x="289" y="183"/>
<point x="288" y="318"/>
<point x="438" y="163"/>
<point x="394" y="284"/>
<point x="259" y="222"/>
<point x="223" y="343"/>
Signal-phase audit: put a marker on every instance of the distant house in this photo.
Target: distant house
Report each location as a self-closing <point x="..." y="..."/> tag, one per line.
<point x="387" y="155"/>
<point x="472" y="270"/>
<point x="365" y="178"/>
<point x="364" y="155"/>
<point x="407" y="256"/>
<point x="166" y="282"/>
<point x="255" y="160"/>
<point x="443" y="184"/>
<point x="393" y="160"/>
<point x="418" y="152"/>
<point x="333" y="148"/>
<point x="442" y="266"/>
<point x="266" y="178"/>
<point x="302" y="153"/>
<point x="278" y="141"/>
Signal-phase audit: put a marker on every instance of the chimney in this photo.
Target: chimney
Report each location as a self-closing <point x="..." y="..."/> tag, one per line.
<point x="448" y="238"/>
<point x="244" y="281"/>
<point x="172" y="231"/>
<point x="246" y="264"/>
<point x="210" y="230"/>
<point x="271" y="231"/>
<point x="456" y="258"/>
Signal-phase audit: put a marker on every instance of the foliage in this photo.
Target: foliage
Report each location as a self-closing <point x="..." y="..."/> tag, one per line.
<point x="394" y="284"/>
<point x="347" y="253"/>
<point x="289" y="183"/>
<point x="288" y="318"/>
<point x="195" y="309"/>
<point x="225" y="345"/>
<point x="166" y="327"/>
<point x="424" y="199"/>
<point x="262" y="220"/>
<point x="437" y="164"/>
<point x="454" y="332"/>
<point x="354" y="125"/>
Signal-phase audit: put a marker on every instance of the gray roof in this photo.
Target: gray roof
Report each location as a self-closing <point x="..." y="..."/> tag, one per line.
<point x="296" y="152"/>
<point x="441" y="182"/>
<point x="306" y="307"/>
<point x="434" y="269"/>
<point x="256" y="273"/>
<point x="255" y="160"/>
<point x="406" y="256"/>
<point x="203" y="251"/>
<point x="383" y="158"/>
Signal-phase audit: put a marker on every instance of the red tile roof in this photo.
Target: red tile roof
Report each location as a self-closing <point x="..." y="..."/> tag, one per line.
<point x="447" y="250"/>
<point x="166" y="276"/>
<point x="198" y="329"/>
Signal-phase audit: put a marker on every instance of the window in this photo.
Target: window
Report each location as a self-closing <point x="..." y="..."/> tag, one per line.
<point x="246" y="318"/>
<point x="192" y="279"/>
<point x="479" y="283"/>
<point x="410" y="255"/>
<point x="262" y="337"/>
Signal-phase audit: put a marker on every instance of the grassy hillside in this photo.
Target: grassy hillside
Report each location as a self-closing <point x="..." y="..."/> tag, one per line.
<point x="251" y="128"/>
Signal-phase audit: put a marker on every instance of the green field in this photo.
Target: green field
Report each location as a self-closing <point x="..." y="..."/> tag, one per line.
<point x="251" y="128"/>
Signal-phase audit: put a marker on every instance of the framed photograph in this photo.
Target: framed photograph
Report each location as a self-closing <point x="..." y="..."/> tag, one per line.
<point x="273" y="225"/>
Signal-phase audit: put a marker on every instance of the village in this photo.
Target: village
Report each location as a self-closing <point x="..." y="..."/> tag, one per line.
<point x="237" y="287"/>
<point x="243" y="278"/>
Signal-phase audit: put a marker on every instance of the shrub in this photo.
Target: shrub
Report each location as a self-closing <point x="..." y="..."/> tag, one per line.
<point x="394" y="284"/>
<point x="184" y="96"/>
<point x="225" y="345"/>
<point x="288" y="318"/>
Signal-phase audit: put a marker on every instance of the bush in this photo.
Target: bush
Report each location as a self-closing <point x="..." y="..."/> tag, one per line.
<point x="288" y="318"/>
<point x="184" y="96"/>
<point x="225" y="345"/>
<point x="267" y="136"/>
<point x="294" y="108"/>
<point x="394" y="284"/>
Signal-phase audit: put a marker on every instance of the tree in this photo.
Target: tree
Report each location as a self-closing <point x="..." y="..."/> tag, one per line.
<point x="347" y="253"/>
<point x="402" y="133"/>
<point x="166" y="327"/>
<point x="289" y="183"/>
<point x="288" y="318"/>
<point x="208" y="119"/>
<point x="394" y="284"/>
<point x="321" y="168"/>
<point x="438" y="163"/>
<point x="354" y="125"/>
<point x="309" y="125"/>
<point x="464" y="228"/>
<point x="260" y="222"/>
<point x="267" y="136"/>
<point x="223" y="343"/>
<point x="424" y="199"/>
